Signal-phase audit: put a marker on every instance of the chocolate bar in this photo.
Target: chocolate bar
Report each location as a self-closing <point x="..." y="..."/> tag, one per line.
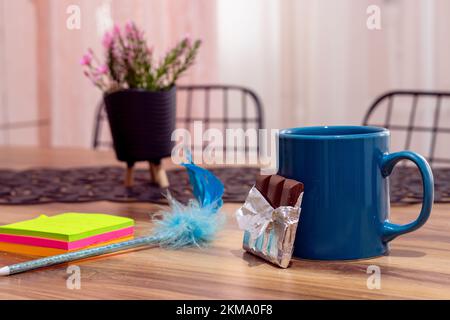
<point x="278" y="190"/>
<point x="270" y="217"/>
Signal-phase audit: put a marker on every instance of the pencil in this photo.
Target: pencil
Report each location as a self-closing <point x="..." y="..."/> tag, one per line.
<point x="76" y="255"/>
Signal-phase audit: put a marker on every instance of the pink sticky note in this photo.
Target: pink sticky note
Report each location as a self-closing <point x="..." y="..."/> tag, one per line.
<point x="58" y="244"/>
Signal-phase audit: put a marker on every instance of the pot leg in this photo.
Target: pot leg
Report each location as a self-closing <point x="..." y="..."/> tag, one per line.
<point x="129" y="175"/>
<point x="158" y="175"/>
<point x="151" y="171"/>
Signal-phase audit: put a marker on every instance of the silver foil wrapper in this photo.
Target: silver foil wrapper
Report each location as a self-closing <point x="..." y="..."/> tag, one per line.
<point x="269" y="233"/>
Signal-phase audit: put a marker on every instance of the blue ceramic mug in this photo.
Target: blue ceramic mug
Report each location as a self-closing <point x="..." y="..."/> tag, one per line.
<point x="345" y="208"/>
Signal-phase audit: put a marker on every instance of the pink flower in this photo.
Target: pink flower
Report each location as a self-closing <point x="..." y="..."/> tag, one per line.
<point x="116" y="30"/>
<point x="129" y="27"/>
<point x="102" y="69"/>
<point x="139" y="35"/>
<point x="107" y="40"/>
<point x="86" y="59"/>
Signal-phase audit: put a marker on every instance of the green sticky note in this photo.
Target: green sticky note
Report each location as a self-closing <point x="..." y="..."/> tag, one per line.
<point x="69" y="226"/>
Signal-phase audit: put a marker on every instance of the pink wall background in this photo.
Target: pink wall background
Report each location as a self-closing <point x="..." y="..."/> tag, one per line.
<point x="312" y="62"/>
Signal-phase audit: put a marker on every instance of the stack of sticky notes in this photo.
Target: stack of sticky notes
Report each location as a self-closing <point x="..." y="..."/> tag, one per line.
<point x="46" y="236"/>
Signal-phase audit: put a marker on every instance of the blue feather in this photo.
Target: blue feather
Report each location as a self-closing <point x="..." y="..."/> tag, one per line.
<point x="207" y="188"/>
<point x="196" y="223"/>
<point x="187" y="225"/>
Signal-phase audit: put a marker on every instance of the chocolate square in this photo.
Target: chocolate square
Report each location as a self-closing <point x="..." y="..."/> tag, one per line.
<point x="291" y="191"/>
<point x="275" y="190"/>
<point x="262" y="184"/>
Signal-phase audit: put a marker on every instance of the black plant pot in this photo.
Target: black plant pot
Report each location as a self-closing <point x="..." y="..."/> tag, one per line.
<point x="141" y="124"/>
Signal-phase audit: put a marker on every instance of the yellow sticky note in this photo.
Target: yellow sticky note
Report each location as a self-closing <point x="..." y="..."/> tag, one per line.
<point x="69" y="226"/>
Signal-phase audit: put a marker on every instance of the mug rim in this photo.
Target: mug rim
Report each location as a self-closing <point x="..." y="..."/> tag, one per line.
<point x="359" y="132"/>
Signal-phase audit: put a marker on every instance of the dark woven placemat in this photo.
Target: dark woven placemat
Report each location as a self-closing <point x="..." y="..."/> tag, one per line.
<point x="44" y="185"/>
<point x="406" y="185"/>
<point x="40" y="185"/>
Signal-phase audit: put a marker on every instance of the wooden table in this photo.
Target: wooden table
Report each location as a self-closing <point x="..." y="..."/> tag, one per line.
<point x="418" y="266"/>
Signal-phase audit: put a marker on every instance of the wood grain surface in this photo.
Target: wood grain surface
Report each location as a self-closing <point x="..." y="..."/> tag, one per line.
<point x="418" y="266"/>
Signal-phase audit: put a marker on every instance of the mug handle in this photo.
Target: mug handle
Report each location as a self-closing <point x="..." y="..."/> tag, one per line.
<point x="388" y="162"/>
